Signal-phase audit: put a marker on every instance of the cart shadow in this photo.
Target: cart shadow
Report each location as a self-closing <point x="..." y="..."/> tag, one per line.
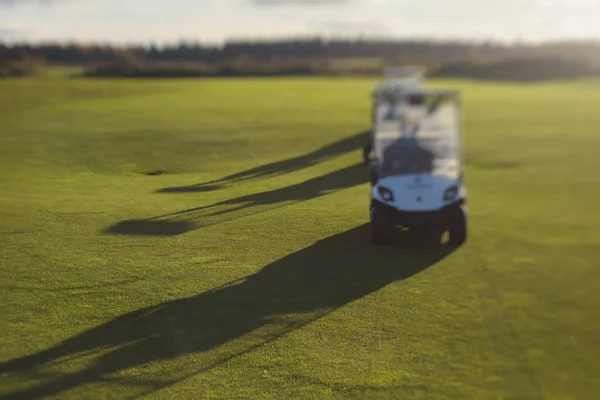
<point x="184" y="221"/>
<point x="332" y="150"/>
<point x="258" y="309"/>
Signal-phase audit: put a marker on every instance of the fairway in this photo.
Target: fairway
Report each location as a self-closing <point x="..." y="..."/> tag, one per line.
<point x="209" y="238"/>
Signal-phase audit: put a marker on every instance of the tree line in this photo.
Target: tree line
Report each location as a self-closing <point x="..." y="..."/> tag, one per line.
<point x="305" y="56"/>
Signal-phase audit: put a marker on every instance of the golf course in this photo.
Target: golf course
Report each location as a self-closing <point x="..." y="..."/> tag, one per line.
<point x="209" y="238"/>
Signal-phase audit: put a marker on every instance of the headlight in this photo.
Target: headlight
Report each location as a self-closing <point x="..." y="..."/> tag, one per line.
<point x="385" y="193"/>
<point x="450" y="193"/>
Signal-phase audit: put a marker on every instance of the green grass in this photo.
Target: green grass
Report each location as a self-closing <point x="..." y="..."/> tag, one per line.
<point x="117" y="284"/>
<point x="348" y="64"/>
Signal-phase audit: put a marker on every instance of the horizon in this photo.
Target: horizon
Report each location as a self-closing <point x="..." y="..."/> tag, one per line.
<point x="284" y="39"/>
<point x="216" y="22"/>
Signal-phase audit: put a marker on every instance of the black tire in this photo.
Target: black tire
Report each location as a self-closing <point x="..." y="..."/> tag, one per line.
<point x="457" y="231"/>
<point x="380" y="227"/>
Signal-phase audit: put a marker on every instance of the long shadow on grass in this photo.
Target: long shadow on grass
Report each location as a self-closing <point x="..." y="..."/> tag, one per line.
<point x="183" y="338"/>
<point x="186" y="220"/>
<point x="340" y="147"/>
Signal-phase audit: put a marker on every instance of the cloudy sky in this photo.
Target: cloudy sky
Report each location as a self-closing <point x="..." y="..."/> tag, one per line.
<point x="212" y="21"/>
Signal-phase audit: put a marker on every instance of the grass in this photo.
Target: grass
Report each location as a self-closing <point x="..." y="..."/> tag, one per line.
<point x="209" y="239"/>
<point x="348" y="64"/>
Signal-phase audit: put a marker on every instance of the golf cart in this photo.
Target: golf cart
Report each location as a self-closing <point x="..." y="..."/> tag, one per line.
<point x="417" y="145"/>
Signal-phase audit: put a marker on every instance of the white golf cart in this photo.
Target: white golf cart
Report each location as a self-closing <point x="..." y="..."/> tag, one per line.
<point x="417" y="144"/>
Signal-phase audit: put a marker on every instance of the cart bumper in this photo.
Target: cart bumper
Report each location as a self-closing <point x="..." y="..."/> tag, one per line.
<point x="419" y="219"/>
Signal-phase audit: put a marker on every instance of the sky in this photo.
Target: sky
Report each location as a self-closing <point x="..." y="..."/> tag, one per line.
<point x="215" y="21"/>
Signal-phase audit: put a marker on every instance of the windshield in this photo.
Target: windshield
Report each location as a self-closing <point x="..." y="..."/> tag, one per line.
<point x="419" y="136"/>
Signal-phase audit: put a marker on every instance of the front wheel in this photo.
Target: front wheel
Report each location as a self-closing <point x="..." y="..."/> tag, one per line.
<point x="457" y="231"/>
<point x="380" y="227"/>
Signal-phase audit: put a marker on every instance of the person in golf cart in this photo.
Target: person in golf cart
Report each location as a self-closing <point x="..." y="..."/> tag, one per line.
<point x="407" y="156"/>
<point x="403" y="156"/>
